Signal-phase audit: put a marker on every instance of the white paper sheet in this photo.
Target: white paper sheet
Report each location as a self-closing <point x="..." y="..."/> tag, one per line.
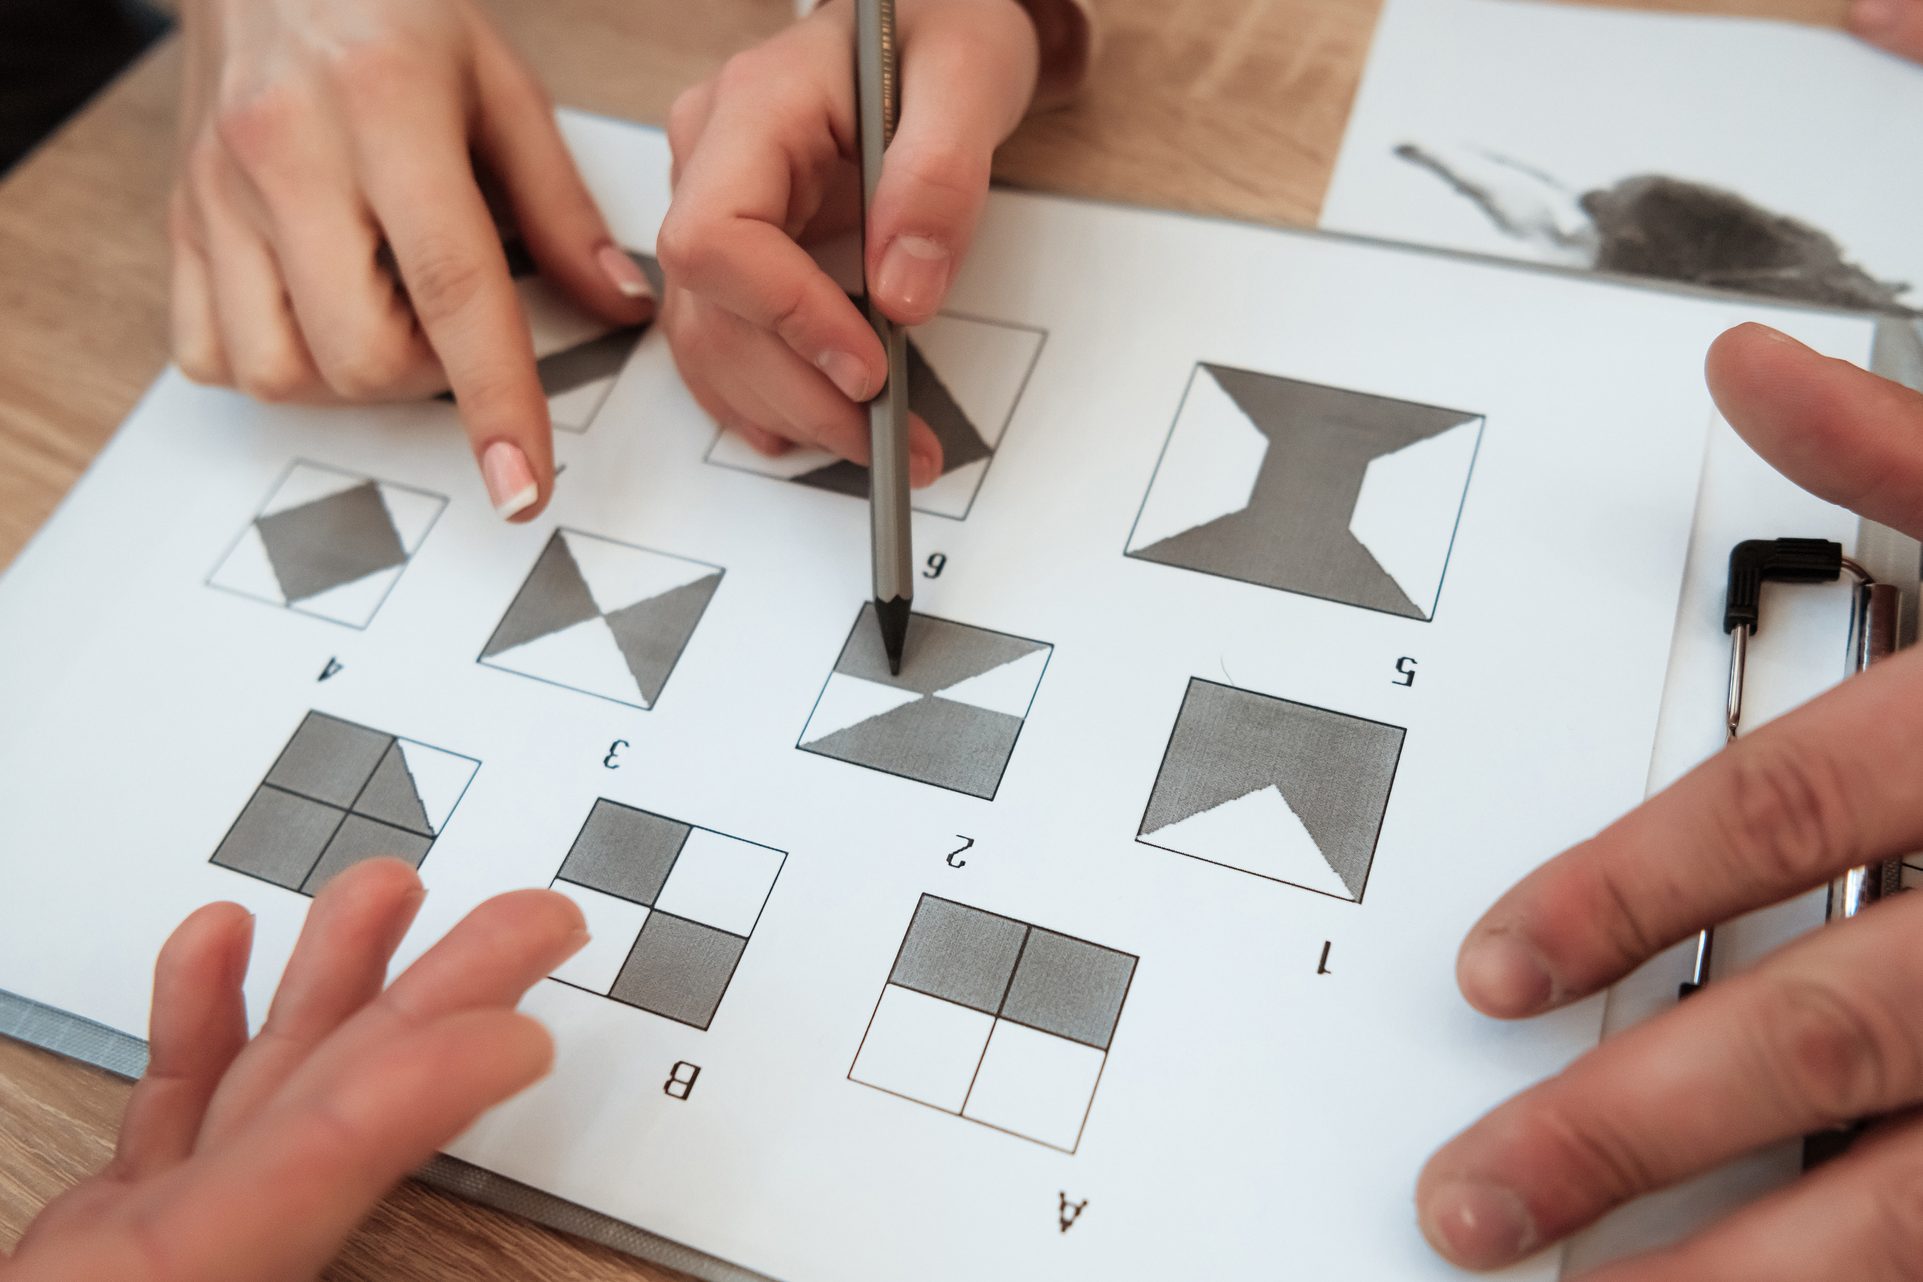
<point x="1239" y="1100"/>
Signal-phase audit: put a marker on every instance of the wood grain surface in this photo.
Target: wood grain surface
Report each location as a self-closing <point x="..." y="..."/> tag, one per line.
<point x="1234" y="107"/>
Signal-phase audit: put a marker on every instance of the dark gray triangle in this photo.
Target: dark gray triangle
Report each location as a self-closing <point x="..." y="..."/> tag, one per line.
<point x="391" y="797"/>
<point x="554" y="597"/>
<point x="961" y="441"/>
<point x="838" y="477"/>
<point x="1334" y="770"/>
<point x="584" y="363"/>
<point x="939" y="653"/>
<point x="653" y="633"/>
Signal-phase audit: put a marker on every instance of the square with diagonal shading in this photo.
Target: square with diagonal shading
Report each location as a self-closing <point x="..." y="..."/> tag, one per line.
<point x="966" y="376"/>
<point x="578" y="356"/>
<point x="670" y="908"/>
<point x="329" y="543"/>
<point x="997" y="1021"/>
<point x="602" y="617"/>
<point x="950" y="718"/>
<point x="1284" y="790"/>
<point x="1330" y="493"/>
<point x="340" y="793"/>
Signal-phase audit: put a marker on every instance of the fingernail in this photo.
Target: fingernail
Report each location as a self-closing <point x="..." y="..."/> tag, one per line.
<point x="922" y="468"/>
<point x="847" y="373"/>
<point x="510" y="481"/>
<point x="1478" y="1224"/>
<point x="914" y="272"/>
<point x="624" y="272"/>
<point x="1874" y="17"/>
<point x="1500" y="973"/>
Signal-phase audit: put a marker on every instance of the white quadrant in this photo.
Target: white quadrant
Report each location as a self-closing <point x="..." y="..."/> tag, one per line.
<point x="613" y="926"/>
<point x="618" y="575"/>
<point x="849" y="701"/>
<point x="983" y="366"/>
<point x="439" y="779"/>
<point x="248" y="570"/>
<point x="1209" y="468"/>
<point x="1035" y="1084"/>
<point x="922" y="1047"/>
<point x="720" y="881"/>
<point x="305" y="483"/>
<point x="1259" y="833"/>
<point x="1406" y="513"/>
<point x="412" y="512"/>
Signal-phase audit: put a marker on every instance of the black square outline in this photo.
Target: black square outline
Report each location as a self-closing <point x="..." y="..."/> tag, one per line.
<point x="521" y="587"/>
<point x="746" y="939"/>
<point x="994" y="452"/>
<point x="261" y="509"/>
<point x="1027" y="927"/>
<point x="1435" y="606"/>
<point x="432" y="839"/>
<point x="1048" y="658"/>
<point x="1382" y="818"/>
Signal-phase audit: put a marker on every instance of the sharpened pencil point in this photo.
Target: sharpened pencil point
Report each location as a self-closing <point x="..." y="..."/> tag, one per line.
<point x="892" y="615"/>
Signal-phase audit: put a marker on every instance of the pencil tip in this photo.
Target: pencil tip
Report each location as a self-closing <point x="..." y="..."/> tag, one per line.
<point x="892" y="615"/>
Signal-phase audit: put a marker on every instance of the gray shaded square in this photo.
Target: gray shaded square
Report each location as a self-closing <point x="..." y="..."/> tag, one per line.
<point x="958" y="953"/>
<point x="363" y="838"/>
<point x="331" y="541"/>
<point x="678" y="969"/>
<point x="1069" y="987"/>
<point x="278" y="837"/>
<point x="329" y="759"/>
<point x="623" y="851"/>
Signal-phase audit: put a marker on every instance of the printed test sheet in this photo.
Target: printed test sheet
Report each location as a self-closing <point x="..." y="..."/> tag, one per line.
<point x="1283" y="600"/>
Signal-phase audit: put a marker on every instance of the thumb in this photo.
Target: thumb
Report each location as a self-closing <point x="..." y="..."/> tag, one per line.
<point x="1896" y="25"/>
<point x="967" y="74"/>
<point x="564" y="231"/>
<point x="1838" y="431"/>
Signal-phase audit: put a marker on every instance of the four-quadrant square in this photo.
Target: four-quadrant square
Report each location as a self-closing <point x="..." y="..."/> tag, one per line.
<point x="1001" y="1022"/>
<point x="360" y="838"/>
<point x="670" y="908"/>
<point x="950" y="717"/>
<point x="329" y="759"/>
<point x="278" y="837"/>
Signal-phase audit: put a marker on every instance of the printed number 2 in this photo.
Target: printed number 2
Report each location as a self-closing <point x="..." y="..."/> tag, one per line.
<point x="955" y="859"/>
<point x="937" y="562"/>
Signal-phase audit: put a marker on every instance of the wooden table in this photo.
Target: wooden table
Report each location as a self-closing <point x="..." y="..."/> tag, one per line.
<point x="1186" y="93"/>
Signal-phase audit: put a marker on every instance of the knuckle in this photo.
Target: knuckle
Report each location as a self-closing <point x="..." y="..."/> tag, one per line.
<point x="1787" y="816"/>
<point x="1615" y="907"/>
<point x="370" y="371"/>
<point x="274" y="378"/>
<point x="687" y="249"/>
<point x="255" y="124"/>
<point x="751" y="71"/>
<point x="443" y="278"/>
<point x="371" y="69"/>
<point x="950" y="175"/>
<point x="1605" y="1162"/>
<point x="684" y="119"/>
<point x="788" y="317"/>
<point x="1829" y="1051"/>
<point x="198" y="362"/>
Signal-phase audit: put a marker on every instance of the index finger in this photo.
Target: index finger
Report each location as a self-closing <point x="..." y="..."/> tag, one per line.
<point x="422" y="188"/>
<point x="1829" y="787"/>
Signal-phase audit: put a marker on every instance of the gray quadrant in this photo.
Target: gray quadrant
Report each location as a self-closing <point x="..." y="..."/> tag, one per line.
<point x="934" y="741"/>
<point x="360" y="838"/>
<point x="329" y="759"/>
<point x="331" y="541"/>
<point x="959" y="953"/>
<point x="555" y="596"/>
<point x="391" y="797"/>
<point x="1294" y="534"/>
<point x="278" y="837"/>
<point x="1069" y="987"/>
<point x="678" y="969"/>
<point x="623" y="851"/>
<point x="938" y="653"/>
<point x="588" y="362"/>
<point x="651" y="634"/>
<point x="1335" y="771"/>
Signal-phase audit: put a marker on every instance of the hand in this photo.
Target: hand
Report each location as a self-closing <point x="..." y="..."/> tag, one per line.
<point x="764" y="155"/>
<point x="1825" y="1030"/>
<point x="331" y="240"/>
<point x="241" y="1160"/>
<point x="1896" y="25"/>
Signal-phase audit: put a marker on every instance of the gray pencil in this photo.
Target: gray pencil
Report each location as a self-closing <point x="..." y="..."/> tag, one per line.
<point x="878" y="98"/>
